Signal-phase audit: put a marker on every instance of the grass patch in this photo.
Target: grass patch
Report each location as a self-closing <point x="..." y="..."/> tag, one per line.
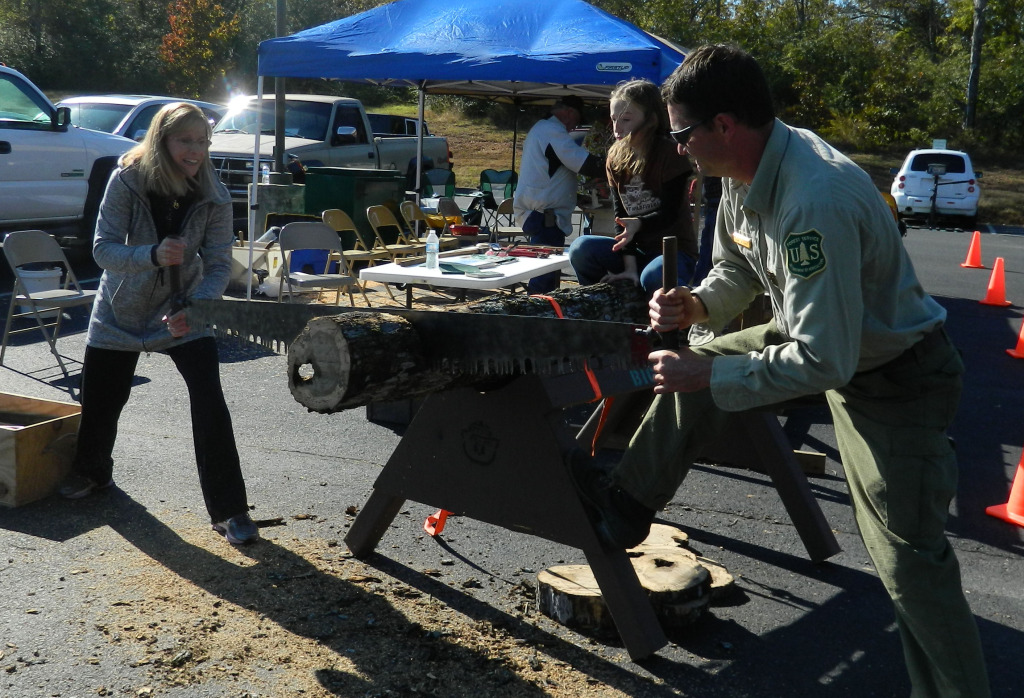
<point x="476" y="144"/>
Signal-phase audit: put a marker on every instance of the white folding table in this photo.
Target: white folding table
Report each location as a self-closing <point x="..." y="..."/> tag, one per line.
<point x="519" y="271"/>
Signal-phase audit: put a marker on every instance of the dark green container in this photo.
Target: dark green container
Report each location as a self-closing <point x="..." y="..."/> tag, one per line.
<point x="353" y="191"/>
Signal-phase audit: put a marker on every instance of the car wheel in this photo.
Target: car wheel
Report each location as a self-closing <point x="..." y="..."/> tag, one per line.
<point x="98" y="178"/>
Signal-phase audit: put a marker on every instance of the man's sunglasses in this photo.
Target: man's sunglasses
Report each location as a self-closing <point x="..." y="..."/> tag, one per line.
<point x="682" y="136"/>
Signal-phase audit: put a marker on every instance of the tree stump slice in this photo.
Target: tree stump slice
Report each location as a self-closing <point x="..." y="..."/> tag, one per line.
<point x="569" y="594"/>
<point x="668" y="539"/>
<point x="723" y="583"/>
<point x="662" y="536"/>
<point x="678" y="587"/>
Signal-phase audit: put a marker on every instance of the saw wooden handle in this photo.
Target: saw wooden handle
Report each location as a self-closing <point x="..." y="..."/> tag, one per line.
<point x="669" y="279"/>
<point x="178" y="302"/>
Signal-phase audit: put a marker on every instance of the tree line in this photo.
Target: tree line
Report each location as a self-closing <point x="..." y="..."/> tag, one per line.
<point x="873" y="74"/>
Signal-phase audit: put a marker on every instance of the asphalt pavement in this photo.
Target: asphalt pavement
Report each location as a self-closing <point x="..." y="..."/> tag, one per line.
<point x="795" y="628"/>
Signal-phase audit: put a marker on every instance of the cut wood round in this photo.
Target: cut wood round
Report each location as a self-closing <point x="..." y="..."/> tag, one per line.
<point x="723" y="583"/>
<point x="662" y="536"/>
<point x="667" y="539"/>
<point x="569" y="594"/>
<point x="352" y="359"/>
<point x="678" y="587"/>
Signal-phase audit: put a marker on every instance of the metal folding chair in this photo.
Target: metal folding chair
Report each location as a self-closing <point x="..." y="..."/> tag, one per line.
<point x="418" y="222"/>
<point x="504" y="224"/>
<point x="319" y="237"/>
<point x="354" y="250"/>
<point x="37" y="248"/>
<point x="389" y="234"/>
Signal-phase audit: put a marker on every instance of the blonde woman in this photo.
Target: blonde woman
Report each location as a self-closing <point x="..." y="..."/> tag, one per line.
<point x="648" y="179"/>
<point x="163" y="237"/>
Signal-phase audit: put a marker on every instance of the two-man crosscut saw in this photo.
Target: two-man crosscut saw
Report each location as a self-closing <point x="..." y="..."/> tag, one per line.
<point x="461" y="341"/>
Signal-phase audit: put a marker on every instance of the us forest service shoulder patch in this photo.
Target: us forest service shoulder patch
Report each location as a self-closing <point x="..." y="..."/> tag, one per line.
<point x="805" y="255"/>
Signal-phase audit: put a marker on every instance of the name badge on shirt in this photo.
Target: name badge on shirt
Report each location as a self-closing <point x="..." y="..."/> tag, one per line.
<point x="742" y="240"/>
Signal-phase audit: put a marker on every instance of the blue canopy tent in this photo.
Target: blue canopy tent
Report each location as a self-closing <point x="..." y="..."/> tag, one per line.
<point x="504" y="49"/>
<point x="508" y="50"/>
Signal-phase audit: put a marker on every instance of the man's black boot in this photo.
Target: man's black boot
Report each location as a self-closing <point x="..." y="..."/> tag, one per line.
<point x="619" y="519"/>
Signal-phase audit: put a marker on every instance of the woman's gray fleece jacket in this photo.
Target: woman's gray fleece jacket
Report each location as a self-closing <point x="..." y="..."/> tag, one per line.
<point x="134" y="295"/>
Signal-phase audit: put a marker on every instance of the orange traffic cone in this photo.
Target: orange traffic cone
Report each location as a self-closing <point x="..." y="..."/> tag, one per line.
<point x="973" y="260"/>
<point x="1018" y="352"/>
<point x="996" y="286"/>
<point x="1013" y="510"/>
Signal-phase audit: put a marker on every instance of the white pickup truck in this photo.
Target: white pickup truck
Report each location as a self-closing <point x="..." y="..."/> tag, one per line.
<point x="52" y="174"/>
<point x="320" y="130"/>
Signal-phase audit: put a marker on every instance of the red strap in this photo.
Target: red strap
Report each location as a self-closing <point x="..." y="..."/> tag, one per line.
<point x="554" y="304"/>
<point x="595" y="386"/>
<point x="606" y="407"/>
<point x="434" y="523"/>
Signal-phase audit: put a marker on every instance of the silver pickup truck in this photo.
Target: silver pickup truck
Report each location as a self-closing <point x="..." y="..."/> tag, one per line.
<point x="320" y="130"/>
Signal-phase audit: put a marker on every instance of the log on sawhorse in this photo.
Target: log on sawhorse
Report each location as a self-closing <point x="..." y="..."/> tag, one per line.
<point x="498" y="457"/>
<point x="752" y="439"/>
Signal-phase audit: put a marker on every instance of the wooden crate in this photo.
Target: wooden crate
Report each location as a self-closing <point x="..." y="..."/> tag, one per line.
<point x="37" y="443"/>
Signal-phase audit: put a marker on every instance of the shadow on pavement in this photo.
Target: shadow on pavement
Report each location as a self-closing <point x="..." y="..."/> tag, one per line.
<point x="281" y="584"/>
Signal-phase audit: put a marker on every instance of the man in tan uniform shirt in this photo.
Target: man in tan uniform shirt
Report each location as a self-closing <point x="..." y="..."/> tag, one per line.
<point x="802" y="223"/>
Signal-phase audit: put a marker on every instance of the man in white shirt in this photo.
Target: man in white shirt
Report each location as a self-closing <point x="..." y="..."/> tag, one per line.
<point x="546" y="194"/>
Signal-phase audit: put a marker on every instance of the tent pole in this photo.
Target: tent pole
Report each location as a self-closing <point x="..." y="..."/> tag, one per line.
<point x="279" y="93"/>
<point x="515" y="133"/>
<point x="419" y="149"/>
<point x="253" y="199"/>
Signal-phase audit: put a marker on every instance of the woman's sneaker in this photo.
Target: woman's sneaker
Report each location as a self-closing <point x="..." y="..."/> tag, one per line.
<point x="238" y="530"/>
<point x="76" y="486"/>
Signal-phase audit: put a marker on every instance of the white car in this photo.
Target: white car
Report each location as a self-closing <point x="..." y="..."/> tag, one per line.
<point x="933" y="183"/>
<point x="127" y="115"/>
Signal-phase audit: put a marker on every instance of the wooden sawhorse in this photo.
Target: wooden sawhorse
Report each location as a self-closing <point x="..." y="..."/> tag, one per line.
<point x="498" y="457"/>
<point x="755" y="440"/>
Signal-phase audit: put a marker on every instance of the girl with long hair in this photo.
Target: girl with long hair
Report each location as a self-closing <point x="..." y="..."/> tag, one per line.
<point x="648" y="184"/>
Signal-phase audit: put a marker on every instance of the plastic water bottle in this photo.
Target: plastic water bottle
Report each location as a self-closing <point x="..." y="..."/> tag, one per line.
<point x="433" y="246"/>
<point x="265" y="174"/>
